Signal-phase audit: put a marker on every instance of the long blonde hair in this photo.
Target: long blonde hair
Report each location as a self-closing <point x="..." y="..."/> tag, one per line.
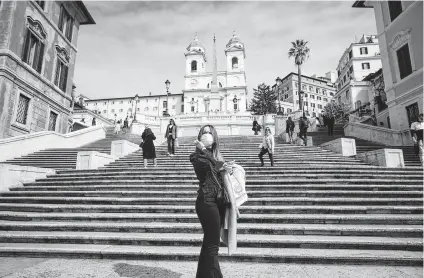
<point x="267" y="128"/>
<point x="215" y="145"/>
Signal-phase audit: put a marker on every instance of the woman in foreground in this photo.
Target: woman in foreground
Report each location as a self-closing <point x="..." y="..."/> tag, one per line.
<point x="207" y="162"/>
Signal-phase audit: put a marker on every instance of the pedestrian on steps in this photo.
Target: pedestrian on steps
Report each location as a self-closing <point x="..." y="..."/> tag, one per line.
<point x="256" y="127"/>
<point x="290" y="128"/>
<point x="207" y="162"/>
<point x="117" y="127"/>
<point x="417" y="136"/>
<point x="330" y="124"/>
<point x="149" y="151"/>
<point x="125" y="129"/>
<point x="171" y="136"/>
<point x="303" y="128"/>
<point x="267" y="146"/>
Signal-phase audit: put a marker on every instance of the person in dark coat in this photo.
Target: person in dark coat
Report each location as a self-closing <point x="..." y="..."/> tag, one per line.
<point x="149" y="151"/>
<point x="330" y="124"/>
<point x="171" y="136"/>
<point x="303" y="128"/>
<point x="93" y="122"/>
<point x="207" y="163"/>
<point x="256" y="127"/>
<point x="290" y="128"/>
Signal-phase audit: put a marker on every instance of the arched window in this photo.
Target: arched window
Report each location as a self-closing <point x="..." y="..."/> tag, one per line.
<point x="234" y="62"/>
<point x="193" y="65"/>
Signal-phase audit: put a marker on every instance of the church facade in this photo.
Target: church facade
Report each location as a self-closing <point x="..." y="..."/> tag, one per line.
<point x="230" y="95"/>
<point x="216" y="92"/>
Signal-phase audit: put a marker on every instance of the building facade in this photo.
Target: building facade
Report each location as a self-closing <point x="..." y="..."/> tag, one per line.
<point x="318" y="92"/>
<point x="120" y="108"/>
<point x="38" y="46"/>
<point x="231" y="96"/>
<point x="400" y="35"/>
<point x="197" y="98"/>
<point x="358" y="61"/>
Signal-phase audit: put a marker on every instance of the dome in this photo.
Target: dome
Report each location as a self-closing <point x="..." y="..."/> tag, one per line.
<point x="195" y="45"/>
<point x="235" y="40"/>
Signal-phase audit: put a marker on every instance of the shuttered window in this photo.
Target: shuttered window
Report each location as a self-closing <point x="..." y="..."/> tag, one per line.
<point x="404" y="61"/>
<point x="66" y="23"/>
<point x="33" y="53"/>
<point x="22" y="112"/>
<point x="61" y="75"/>
<point x="52" y="121"/>
<point x="395" y="9"/>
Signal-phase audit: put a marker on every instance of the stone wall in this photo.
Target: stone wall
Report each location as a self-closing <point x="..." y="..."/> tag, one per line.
<point x="385" y="136"/>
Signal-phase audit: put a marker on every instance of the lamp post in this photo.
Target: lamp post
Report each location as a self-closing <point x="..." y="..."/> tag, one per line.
<point x="115" y="118"/>
<point x="135" y="110"/>
<point x="279" y="82"/>
<point x="167" y="84"/>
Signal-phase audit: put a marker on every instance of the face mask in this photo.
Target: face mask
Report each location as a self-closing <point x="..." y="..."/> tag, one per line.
<point x="207" y="139"/>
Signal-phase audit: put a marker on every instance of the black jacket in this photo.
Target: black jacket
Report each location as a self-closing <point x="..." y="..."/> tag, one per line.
<point x="207" y="172"/>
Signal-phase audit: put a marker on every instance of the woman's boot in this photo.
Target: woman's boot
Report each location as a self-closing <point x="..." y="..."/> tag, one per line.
<point x="145" y="163"/>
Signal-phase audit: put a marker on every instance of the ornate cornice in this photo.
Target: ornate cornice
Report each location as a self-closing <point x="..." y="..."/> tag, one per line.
<point x="62" y="53"/>
<point x="36" y="27"/>
<point x="400" y="38"/>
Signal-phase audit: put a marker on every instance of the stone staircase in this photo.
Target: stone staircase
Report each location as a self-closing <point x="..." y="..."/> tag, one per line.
<point x="314" y="206"/>
<point x="67" y="158"/>
<point x="321" y="136"/>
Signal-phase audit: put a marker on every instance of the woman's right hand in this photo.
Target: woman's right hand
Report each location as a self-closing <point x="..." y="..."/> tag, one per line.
<point x="199" y="145"/>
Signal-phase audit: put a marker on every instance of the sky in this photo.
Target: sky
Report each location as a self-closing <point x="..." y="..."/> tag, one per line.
<point x="134" y="47"/>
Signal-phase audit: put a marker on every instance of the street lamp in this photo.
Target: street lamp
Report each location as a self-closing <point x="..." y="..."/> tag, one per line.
<point x="115" y="118"/>
<point x="167" y="84"/>
<point x="135" y="110"/>
<point x="279" y="82"/>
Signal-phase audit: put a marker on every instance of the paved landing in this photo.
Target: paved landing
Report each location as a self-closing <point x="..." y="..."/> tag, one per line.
<point x="74" y="268"/>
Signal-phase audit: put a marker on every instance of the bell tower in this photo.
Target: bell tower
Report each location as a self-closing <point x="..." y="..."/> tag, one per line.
<point x="235" y="54"/>
<point x="195" y="58"/>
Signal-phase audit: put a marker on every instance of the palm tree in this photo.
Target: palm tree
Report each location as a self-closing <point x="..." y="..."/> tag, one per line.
<point x="300" y="53"/>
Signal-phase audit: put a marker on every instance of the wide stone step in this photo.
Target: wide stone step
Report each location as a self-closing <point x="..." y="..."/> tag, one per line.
<point x="251" y="188"/>
<point x="182" y="239"/>
<point x="284" y="209"/>
<point x="252" y="172"/>
<point x="311" y="163"/>
<point x="189" y="193"/>
<point x="375" y="219"/>
<point x="187" y="201"/>
<point x="186" y="253"/>
<point x="248" y="182"/>
<point x="249" y="169"/>
<point x="173" y="176"/>
<point x="414" y="231"/>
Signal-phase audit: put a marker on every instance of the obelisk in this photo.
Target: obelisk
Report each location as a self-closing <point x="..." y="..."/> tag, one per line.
<point x="214" y="98"/>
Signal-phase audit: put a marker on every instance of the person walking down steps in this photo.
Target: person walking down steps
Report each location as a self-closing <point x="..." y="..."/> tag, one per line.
<point x="267" y="146"/>
<point x="171" y="136"/>
<point x="290" y="129"/>
<point x="149" y="150"/>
